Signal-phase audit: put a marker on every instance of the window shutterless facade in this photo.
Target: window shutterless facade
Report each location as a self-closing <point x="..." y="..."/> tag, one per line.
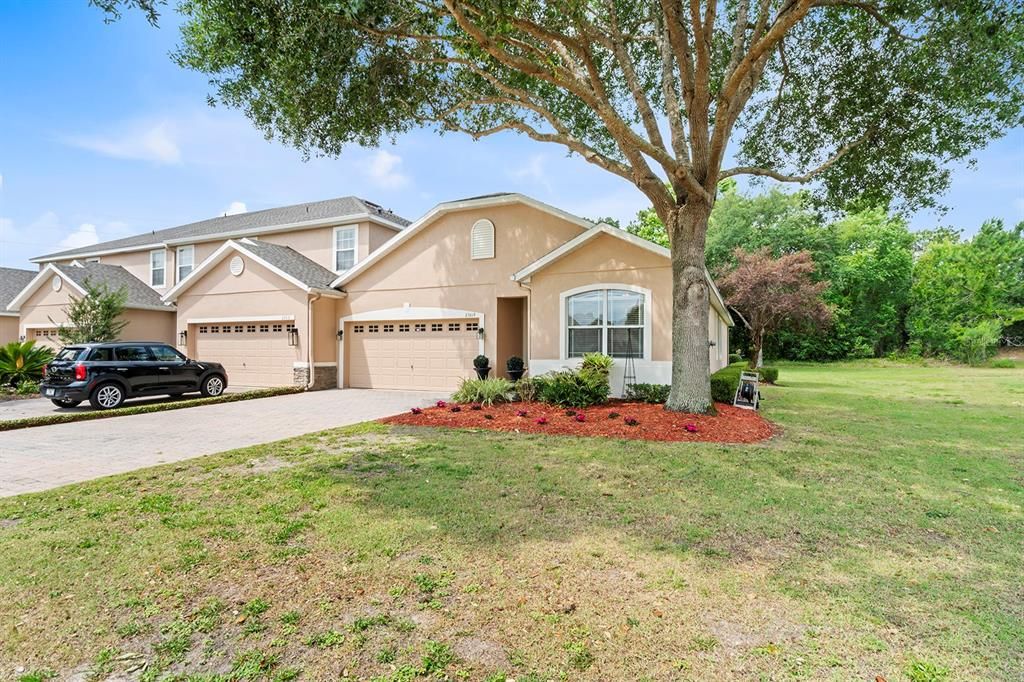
<point x="344" y="248"/>
<point x="186" y="260"/>
<point x="609" y="321"/>
<point x="157" y="268"/>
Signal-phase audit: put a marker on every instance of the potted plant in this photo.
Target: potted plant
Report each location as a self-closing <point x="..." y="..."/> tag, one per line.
<point x="482" y="366"/>
<point x="514" y="367"/>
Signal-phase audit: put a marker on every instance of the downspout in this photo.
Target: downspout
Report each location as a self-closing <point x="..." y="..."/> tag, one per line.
<point x="309" y="344"/>
<point x="529" y="319"/>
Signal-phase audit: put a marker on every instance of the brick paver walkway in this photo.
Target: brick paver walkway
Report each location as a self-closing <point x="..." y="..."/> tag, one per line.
<point x="50" y="456"/>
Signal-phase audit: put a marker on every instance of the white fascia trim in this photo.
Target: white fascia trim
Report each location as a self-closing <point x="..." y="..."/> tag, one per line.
<point x="287" y="227"/>
<point x="165" y="308"/>
<point x="241" y="318"/>
<point x="41" y="325"/>
<point x="568" y="247"/>
<point x="563" y="333"/>
<point x="449" y="207"/>
<point x="37" y="281"/>
<point x="410" y="313"/>
<point x="219" y="255"/>
<point x="92" y="254"/>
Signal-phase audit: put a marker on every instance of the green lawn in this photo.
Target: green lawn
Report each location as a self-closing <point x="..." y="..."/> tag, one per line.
<point x="881" y="534"/>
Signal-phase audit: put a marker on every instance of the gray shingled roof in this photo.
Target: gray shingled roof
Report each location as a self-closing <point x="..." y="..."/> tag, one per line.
<point x="115" y="277"/>
<point x="287" y="259"/>
<point x="284" y="215"/>
<point x="12" y="282"/>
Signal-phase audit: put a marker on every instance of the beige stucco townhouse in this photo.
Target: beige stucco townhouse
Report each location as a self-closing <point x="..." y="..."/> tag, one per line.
<point x="12" y="281"/>
<point x="343" y="293"/>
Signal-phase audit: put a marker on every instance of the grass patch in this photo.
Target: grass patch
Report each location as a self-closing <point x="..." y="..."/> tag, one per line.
<point x="879" y="534"/>
<point x="65" y="417"/>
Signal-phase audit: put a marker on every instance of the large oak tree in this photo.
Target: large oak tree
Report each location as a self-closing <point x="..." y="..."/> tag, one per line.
<point x="870" y="99"/>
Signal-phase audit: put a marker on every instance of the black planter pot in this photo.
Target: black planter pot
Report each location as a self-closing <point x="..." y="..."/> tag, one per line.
<point x="482" y="372"/>
<point x="515" y="374"/>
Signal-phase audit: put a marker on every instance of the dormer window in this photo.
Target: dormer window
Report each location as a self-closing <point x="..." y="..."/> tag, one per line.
<point x="481" y="240"/>
<point x="344" y="248"/>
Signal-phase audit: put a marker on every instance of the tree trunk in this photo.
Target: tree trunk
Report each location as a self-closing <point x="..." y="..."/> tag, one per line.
<point x="691" y="366"/>
<point x="756" y="357"/>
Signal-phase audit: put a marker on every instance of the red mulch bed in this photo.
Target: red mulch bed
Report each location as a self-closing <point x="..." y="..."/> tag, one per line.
<point x="653" y="422"/>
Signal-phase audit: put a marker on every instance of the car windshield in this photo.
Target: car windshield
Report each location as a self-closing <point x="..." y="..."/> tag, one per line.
<point x="70" y="354"/>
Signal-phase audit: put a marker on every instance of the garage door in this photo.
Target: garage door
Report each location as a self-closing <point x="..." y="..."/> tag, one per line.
<point x="44" y="337"/>
<point x="424" y="355"/>
<point x="253" y="353"/>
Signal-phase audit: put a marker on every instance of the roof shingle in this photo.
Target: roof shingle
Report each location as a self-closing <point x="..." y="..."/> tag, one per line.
<point x="284" y="215"/>
<point x="114" y="277"/>
<point x="12" y="282"/>
<point x="290" y="261"/>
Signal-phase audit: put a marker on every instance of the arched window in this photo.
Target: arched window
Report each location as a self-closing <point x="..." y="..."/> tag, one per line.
<point x="481" y="240"/>
<point x="609" y="321"/>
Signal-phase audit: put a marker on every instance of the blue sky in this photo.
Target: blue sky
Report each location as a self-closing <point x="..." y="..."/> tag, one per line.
<point x="102" y="136"/>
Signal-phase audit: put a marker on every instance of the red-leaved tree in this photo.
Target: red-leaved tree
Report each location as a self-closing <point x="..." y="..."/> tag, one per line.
<point x="772" y="292"/>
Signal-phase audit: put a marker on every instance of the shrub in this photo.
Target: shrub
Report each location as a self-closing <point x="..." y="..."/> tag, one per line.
<point x="769" y="374"/>
<point x="648" y="393"/>
<point x="1003" y="363"/>
<point x="23" y="361"/>
<point x="569" y="388"/>
<point x="975" y="345"/>
<point x="724" y="383"/>
<point x="596" y="362"/>
<point x="526" y="389"/>
<point x="735" y="357"/>
<point x="514" y="363"/>
<point x="31" y="387"/>
<point x="484" y="391"/>
<point x="481" y="362"/>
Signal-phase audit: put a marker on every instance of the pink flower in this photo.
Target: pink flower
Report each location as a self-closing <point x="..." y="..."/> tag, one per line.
<point x="416" y="410"/>
<point x="542" y="421"/>
<point x="521" y="413"/>
<point x="580" y="417"/>
<point x="630" y="421"/>
<point x="441" y="403"/>
<point x="692" y="428"/>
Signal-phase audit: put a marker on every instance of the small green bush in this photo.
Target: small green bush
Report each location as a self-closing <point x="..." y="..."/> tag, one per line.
<point x="769" y="374"/>
<point x="22" y="361"/>
<point x="648" y="393"/>
<point x="484" y="391"/>
<point x="734" y="357"/>
<point x="514" y="364"/>
<point x="27" y="388"/>
<point x="975" y="345"/>
<point x="570" y="388"/>
<point x="596" y="362"/>
<point x="724" y="383"/>
<point x="1003" y="363"/>
<point x="481" y="362"/>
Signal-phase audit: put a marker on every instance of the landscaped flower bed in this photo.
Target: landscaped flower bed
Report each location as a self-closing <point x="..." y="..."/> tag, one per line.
<point x="616" y="419"/>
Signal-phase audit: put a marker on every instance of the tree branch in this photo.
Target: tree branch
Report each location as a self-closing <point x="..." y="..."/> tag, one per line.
<point x="806" y="177"/>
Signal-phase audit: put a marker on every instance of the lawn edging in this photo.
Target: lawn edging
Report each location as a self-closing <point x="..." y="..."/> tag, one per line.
<point x="64" y="418"/>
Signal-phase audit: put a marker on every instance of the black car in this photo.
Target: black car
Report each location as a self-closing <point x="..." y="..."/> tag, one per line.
<point x="106" y="374"/>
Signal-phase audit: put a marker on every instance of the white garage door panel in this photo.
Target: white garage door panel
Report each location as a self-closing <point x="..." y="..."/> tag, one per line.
<point x="252" y="358"/>
<point x="425" y="360"/>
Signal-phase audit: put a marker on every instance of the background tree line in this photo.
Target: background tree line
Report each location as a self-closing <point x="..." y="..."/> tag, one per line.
<point x="891" y="290"/>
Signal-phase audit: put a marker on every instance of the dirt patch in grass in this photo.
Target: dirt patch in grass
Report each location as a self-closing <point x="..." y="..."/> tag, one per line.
<point x="260" y="465"/>
<point x="617" y="419"/>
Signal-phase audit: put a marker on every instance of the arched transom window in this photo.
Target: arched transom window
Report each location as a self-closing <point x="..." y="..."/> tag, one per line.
<point x="609" y="321"/>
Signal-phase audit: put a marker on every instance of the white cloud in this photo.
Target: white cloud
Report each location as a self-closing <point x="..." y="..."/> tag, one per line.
<point x="85" y="235"/>
<point x="533" y="171"/>
<point x="384" y="170"/>
<point x="140" y="141"/>
<point x="235" y="207"/>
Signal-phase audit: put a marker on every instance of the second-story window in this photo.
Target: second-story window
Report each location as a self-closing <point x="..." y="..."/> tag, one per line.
<point x="157" y="268"/>
<point x="186" y="261"/>
<point x="344" y="248"/>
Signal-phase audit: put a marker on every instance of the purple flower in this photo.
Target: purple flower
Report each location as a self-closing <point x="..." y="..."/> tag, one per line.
<point x="630" y="421"/>
<point x="521" y="413"/>
<point x="416" y="410"/>
<point x="456" y="409"/>
<point x="581" y="418"/>
<point x="542" y="421"/>
<point x="692" y="428"/>
<point x="441" y="403"/>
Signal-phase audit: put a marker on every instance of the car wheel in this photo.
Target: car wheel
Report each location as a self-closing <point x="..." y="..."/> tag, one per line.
<point x="66" y="402"/>
<point x="107" y="396"/>
<point x="213" y="386"/>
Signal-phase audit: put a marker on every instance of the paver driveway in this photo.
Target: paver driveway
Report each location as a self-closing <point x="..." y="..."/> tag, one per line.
<point x="49" y="456"/>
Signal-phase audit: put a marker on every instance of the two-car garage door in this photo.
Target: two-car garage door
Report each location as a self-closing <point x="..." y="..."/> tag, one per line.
<point x="253" y="353"/>
<point x="410" y="354"/>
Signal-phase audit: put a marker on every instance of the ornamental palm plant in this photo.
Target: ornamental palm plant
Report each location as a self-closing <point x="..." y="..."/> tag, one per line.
<point x="23" y="361"/>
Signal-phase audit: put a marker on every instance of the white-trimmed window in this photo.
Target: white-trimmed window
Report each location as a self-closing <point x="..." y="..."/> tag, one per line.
<point x="186" y="260"/>
<point x="609" y="321"/>
<point x="481" y="240"/>
<point x="344" y="248"/>
<point x="157" y="268"/>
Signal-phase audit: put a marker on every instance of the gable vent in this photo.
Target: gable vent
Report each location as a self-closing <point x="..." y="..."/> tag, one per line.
<point x="482" y="240"/>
